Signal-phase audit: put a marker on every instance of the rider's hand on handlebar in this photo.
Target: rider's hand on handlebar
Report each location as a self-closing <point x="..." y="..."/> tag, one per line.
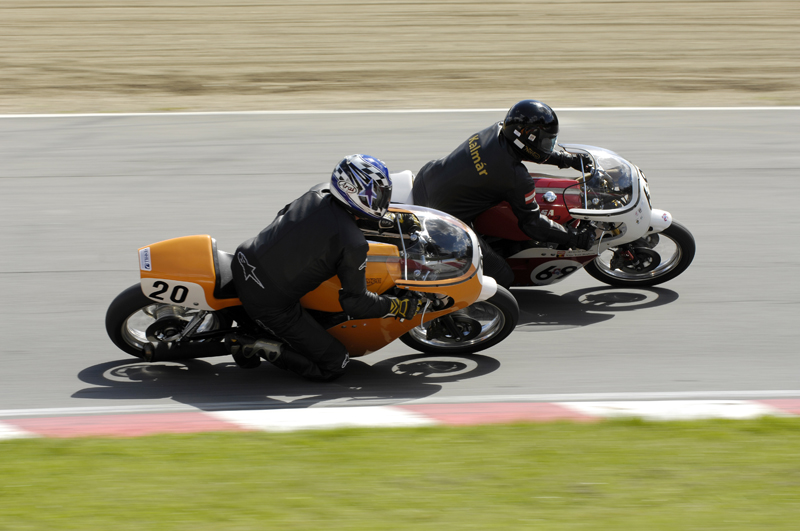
<point x="582" y="238"/>
<point x="406" y="307"/>
<point x="576" y="159"/>
<point x="408" y="222"/>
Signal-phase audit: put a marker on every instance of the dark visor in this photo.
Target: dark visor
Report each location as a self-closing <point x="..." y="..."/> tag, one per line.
<point x="383" y="195"/>
<point x="545" y="143"/>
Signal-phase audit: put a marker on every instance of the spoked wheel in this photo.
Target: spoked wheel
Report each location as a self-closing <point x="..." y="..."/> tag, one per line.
<point x="475" y="328"/>
<point x="132" y="320"/>
<point x="656" y="259"/>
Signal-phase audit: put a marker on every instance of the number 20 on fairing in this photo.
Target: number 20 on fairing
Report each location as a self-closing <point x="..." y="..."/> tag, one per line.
<point x="170" y="291"/>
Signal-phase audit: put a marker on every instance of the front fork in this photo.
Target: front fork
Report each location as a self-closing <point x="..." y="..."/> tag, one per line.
<point x="624" y="257"/>
<point x="637" y="255"/>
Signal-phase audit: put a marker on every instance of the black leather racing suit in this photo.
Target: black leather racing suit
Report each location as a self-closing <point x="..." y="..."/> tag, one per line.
<point x="311" y="240"/>
<point x="479" y="174"/>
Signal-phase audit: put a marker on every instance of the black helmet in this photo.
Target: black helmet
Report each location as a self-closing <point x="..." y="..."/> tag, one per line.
<point x="531" y="127"/>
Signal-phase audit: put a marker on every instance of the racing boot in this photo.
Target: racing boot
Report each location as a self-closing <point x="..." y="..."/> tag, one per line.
<point x="247" y="351"/>
<point x="268" y="349"/>
<point x="238" y="346"/>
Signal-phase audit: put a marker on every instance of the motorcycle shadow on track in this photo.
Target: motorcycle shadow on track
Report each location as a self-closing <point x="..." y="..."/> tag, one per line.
<point x="217" y="383"/>
<point x="542" y="311"/>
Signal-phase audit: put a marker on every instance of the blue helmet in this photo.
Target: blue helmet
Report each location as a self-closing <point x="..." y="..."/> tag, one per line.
<point x="362" y="184"/>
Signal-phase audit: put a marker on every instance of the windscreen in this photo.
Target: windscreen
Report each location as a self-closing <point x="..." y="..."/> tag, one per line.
<point x="438" y="250"/>
<point x="610" y="185"/>
<point x="432" y="245"/>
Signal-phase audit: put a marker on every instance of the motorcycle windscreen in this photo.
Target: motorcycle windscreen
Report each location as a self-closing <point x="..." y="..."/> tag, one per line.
<point x="440" y="251"/>
<point x="598" y="193"/>
<point x="613" y="184"/>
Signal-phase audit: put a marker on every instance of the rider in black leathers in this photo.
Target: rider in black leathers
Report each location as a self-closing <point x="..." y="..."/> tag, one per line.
<point x="487" y="169"/>
<point x="312" y="239"/>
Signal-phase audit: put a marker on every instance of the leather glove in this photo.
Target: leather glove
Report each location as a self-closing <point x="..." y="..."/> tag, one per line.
<point x="582" y="238"/>
<point x="406" y="307"/>
<point x="408" y="222"/>
<point x="575" y="162"/>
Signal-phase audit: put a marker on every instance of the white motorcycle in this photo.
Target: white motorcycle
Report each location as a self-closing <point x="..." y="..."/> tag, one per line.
<point x="636" y="245"/>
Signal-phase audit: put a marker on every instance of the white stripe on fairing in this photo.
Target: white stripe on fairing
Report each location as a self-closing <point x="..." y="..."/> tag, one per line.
<point x="324" y="418"/>
<point x="7" y="431"/>
<point x="676" y="409"/>
<point x="392" y="111"/>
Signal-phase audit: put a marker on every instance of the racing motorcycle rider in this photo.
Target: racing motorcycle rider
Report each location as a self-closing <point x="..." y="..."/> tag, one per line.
<point x="488" y="168"/>
<point x="312" y="239"/>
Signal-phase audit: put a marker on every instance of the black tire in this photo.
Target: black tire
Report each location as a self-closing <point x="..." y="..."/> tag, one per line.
<point x="125" y="305"/>
<point x="484" y="324"/>
<point x="676" y="254"/>
<point x="131" y="318"/>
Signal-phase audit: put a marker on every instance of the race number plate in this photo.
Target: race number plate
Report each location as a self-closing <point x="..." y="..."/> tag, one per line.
<point x="553" y="271"/>
<point x="177" y="292"/>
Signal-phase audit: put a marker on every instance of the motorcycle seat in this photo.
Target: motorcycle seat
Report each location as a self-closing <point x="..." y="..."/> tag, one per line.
<point x="402" y="185"/>
<point x="224" y="288"/>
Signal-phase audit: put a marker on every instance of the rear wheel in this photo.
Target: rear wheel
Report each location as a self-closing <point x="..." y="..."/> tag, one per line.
<point x="660" y="258"/>
<point x="480" y="326"/>
<point x="133" y="320"/>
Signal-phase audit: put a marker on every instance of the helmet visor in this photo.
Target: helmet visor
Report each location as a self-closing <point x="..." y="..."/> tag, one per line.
<point x="544" y="142"/>
<point x="381" y="199"/>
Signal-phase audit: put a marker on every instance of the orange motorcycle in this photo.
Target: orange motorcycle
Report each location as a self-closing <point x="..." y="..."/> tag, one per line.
<point x="186" y="301"/>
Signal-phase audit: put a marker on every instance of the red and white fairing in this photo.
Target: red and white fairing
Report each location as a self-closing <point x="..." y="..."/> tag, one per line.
<point x="615" y="197"/>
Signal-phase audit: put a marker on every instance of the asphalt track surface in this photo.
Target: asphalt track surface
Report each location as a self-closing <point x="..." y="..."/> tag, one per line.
<point x="81" y="193"/>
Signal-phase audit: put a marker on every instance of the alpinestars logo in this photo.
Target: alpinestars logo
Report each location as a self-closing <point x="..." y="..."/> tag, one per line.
<point x="249" y="270"/>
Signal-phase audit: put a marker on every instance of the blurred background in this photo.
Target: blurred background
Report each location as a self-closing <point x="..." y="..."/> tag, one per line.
<point x="199" y="55"/>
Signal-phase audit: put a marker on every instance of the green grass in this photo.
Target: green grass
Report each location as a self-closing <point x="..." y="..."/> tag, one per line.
<point x="614" y="475"/>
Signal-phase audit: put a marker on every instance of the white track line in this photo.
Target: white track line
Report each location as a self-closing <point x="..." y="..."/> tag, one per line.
<point x="324" y="418"/>
<point x="359" y="403"/>
<point x="677" y="409"/>
<point x="613" y="397"/>
<point x="10" y="432"/>
<point x="388" y="111"/>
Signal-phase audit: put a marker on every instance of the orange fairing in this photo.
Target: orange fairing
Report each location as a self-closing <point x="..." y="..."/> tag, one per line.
<point x="181" y="271"/>
<point x="369" y="335"/>
<point x="383" y="268"/>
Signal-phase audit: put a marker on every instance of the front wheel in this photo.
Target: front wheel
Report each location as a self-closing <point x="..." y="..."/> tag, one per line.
<point x="666" y="255"/>
<point x="133" y="320"/>
<point x="477" y="327"/>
